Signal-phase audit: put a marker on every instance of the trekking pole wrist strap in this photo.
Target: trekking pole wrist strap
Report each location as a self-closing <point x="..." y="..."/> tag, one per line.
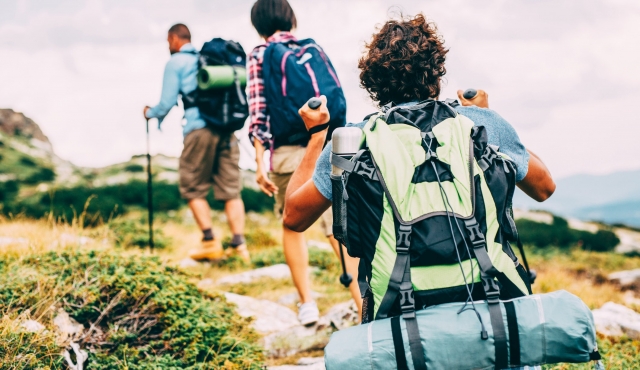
<point x="316" y="129"/>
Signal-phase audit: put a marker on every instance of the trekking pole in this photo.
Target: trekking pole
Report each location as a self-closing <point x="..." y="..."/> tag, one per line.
<point x="345" y="277"/>
<point x="149" y="190"/>
<point x="470" y="94"/>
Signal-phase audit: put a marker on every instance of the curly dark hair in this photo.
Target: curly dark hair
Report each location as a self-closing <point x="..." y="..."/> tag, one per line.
<point x="404" y="61"/>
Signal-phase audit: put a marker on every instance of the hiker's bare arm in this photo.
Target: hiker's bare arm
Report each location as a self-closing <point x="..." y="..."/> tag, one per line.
<point x="304" y="203"/>
<point x="538" y="183"/>
<point x="266" y="185"/>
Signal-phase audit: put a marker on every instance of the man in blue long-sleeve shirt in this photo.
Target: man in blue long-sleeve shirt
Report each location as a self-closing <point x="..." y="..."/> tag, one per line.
<point x="209" y="158"/>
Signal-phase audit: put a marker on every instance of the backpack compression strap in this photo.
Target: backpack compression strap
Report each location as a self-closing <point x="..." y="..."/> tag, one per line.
<point x="400" y="284"/>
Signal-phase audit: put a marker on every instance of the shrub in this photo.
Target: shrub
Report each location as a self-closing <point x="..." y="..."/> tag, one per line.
<point x="254" y="200"/>
<point x="8" y="190"/>
<point x="112" y="200"/>
<point x="139" y="311"/>
<point x="133" y="167"/>
<point x="27" y="162"/>
<point x="601" y="241"/>
<point x="130" y="233"/>
<point x="45" y="174"/>
<point x="560" y="235"/>
<point x="543" y="235"/>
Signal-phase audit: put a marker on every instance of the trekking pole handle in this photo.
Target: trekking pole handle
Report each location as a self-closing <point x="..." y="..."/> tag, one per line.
<point x="314" y="103"/>
<point x="470" y="94"/>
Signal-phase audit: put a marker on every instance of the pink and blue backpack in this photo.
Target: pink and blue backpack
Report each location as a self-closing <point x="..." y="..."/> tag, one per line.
<point x="294" y="72"/>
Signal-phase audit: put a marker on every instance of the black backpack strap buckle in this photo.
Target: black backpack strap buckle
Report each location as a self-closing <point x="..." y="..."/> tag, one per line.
<point x="488" y="156"/>
<point x="491" y="289"/>
<point x="403" y="240"/>
<point x="407" y="301"/>
<point x="365" y="170"/>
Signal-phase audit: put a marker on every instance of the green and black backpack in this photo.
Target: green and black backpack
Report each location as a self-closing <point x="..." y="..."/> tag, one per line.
<point x="426" y="206"/>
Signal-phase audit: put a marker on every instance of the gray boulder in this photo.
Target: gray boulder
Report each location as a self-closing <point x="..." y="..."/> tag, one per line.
<point x="615" y="320"/>
<point x="304" y="338"/>
<point x="269" y="317"/>
<point x="627" y="278"/>
<point x="279" y="271"/>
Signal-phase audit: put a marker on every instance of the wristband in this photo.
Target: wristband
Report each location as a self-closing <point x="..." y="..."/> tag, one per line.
<point x="316" y="129"/>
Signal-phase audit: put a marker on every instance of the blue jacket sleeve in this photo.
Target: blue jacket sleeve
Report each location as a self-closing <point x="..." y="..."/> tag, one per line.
<point x="170" y="91"/>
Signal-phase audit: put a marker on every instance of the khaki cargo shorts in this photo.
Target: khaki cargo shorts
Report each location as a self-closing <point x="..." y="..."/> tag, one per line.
<point x="210" y="159"/>
<point x="284" y="161"/>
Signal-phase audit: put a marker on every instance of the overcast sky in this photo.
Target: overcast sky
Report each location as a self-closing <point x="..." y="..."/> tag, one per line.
<point x="563" y="73"/>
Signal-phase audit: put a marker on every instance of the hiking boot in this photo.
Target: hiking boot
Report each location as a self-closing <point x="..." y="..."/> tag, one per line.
<point x="308" y="313"/>
<point x="240" y="251"/>
<point x="211" y="251"/>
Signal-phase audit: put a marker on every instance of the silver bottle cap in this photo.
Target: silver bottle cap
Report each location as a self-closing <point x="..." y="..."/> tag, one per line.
<point x="345" y="142"/>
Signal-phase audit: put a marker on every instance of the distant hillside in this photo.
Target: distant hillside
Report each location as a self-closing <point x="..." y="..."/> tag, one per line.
<point x="27" y="160"/>
<point x="612" y="198"/>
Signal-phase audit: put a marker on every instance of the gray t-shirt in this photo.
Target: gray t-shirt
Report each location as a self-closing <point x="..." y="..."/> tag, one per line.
<point x="499" y="133"/>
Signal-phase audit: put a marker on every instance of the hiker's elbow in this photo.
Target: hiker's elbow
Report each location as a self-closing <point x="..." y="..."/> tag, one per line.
<point x="293" y="221"/>
<point x="545" y="192"/>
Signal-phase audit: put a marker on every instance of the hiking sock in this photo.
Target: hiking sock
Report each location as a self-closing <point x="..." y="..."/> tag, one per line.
<point x="207" y="235"/>
<point x="238" y="239"/>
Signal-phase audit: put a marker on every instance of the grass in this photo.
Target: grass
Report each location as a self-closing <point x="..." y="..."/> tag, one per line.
<point x="580" y="272"/>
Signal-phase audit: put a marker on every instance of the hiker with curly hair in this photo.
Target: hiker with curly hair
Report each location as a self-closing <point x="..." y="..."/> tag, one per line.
<point x="402" y="70"/>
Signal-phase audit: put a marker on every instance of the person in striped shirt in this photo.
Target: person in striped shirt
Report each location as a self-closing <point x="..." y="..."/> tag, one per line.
<point x="274" y="20"/>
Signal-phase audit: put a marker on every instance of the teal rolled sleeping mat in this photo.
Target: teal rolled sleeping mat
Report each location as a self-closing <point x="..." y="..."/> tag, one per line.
<point x="541" y="329"/>
<point x="220" y="77"/>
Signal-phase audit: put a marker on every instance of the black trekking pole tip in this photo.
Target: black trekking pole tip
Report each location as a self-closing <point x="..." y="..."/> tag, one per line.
<point x="314" y="103"/>
<point x="346" y="279"/>
<point x="470" y="93"/>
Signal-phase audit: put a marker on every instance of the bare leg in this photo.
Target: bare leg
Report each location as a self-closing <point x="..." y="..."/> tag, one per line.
<point x="352" y="268"/>
<point x="234" y="209"/>
<point x="297" y="257"/>
<point x="201" y="212"/>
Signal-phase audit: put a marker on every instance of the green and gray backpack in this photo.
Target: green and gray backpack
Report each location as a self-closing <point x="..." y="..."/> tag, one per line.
<point x="426" y="206"/>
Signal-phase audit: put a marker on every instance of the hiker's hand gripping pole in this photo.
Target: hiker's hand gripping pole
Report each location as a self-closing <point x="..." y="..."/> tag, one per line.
<point x="479" y="98"/>
<point x="315" y="114"/>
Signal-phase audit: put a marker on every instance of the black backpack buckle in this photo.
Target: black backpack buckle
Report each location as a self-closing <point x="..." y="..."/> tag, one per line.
<point x="475" y="234"/>
<point x="407" y="302"/>
<point x="404" y="239"/>
<point x="491" y="289"/>
<point x="363" y="169"/>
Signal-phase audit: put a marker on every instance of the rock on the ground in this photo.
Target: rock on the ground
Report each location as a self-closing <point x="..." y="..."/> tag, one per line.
<point x="293" y="298"/>
<point x="32" y="326"/>
<point x="342" y="315"/>
<point x="269" y="317"/>
<point x="615" y="320"/>
<point x="67" y="328"/>
<point x="305" y="363"/>
<point x="297" y="339"/>
<point x="279" y="271"/>
<point x="626" y="278"/>
<point x="304" y="338"/>
<point x="188" y="263"/>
